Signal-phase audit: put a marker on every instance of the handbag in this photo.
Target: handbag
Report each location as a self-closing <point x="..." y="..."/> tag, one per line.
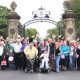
<point x="3" y="62"/>
<point x="62" y="56"/>
<point x="77" y="55"/>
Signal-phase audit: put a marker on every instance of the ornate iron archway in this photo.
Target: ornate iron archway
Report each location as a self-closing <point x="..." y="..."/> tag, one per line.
<point x="41" y="15"/>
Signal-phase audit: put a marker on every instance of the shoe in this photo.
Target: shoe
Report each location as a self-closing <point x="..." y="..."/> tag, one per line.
<point x="58" y="71"/>
<point x="15" y="68"/>
<point x="26" y="70"/>
<point x="31" y="70"/>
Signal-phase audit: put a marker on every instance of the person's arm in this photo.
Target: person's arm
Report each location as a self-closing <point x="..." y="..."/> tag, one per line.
<point x="36" y="52"/>
<point x="48" y="48"/>
<point x="25" y="51"/>
<point x="60" y="50"/>
<point x="42" y="55"/>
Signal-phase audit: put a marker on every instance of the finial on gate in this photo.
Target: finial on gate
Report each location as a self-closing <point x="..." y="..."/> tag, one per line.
<point x="13" y="6"/>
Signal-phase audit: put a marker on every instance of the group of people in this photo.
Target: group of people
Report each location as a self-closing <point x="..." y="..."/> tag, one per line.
<point x="54" y="54"/>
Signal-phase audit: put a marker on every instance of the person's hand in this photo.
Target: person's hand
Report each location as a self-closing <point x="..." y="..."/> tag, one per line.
<point x="28" y="57"/>
<point x="59" y="54"/>
<point x="11" y="50"/>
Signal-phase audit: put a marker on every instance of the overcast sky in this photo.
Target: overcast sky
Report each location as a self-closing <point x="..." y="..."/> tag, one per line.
<point x="26" y="7"/>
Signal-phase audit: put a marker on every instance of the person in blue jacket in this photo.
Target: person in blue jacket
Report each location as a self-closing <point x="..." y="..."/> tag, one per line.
<point x="65" y="50"/>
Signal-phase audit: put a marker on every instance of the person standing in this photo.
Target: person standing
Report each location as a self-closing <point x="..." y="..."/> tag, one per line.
<point x="1" y="50"/>
<point x="23" y="56"/>
<point x="57" y="55"/>
<point x="51" y="51"/>
<point x="65" y="51"/>
<point x="17" y="54"/>
<point x="78" y="56"/>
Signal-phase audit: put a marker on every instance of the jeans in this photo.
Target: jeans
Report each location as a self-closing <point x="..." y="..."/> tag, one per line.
<point x="72" y="62"/>
<point x="57" y="59"/>
<point x="45" y="62"/>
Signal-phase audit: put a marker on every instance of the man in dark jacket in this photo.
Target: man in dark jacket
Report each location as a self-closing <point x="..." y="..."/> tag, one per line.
<point x="78" y="59"/>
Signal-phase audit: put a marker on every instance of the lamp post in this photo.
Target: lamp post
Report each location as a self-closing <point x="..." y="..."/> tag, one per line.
<point x="59" y="30"/>
<point x="60" y="26"/>
<point x="24" y="30"/>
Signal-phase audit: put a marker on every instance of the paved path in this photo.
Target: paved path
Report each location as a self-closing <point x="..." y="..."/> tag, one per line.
<point x="20" y="75"/>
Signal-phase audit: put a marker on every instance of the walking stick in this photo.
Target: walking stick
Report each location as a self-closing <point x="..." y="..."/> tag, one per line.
<point x="76" y="64"/>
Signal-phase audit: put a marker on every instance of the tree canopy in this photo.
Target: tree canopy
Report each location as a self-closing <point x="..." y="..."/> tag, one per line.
<point x="53" y="31"/>
<point x="4" y="12"/>
<point x="76" y="9"/>
<point x="31" y="32"/>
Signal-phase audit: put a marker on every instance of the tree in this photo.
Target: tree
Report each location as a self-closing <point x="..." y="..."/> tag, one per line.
<point x="53" y="31"/>
<point x="31" y="32"/>
<point x="76" y="9"/>
<point x="21" y="29"/>
<point x="4" y="12"/>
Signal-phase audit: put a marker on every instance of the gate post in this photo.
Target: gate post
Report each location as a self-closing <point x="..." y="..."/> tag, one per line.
<point x="69" y="22"/>
<point x="13" y="22"/>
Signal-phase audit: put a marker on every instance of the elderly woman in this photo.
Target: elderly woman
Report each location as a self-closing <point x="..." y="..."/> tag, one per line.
<point x="57" y="55"/>
<point x="65" y="51"/>
<point x="1" y="50"/>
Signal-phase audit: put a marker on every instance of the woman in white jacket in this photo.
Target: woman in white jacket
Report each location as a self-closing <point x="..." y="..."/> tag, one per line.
<point x="1" y="50"/>
<point x="45" y="59"/>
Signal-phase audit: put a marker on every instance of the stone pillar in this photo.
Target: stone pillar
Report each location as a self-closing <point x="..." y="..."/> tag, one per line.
<point x="13" y="22"/>
<point x="69" y="22"/>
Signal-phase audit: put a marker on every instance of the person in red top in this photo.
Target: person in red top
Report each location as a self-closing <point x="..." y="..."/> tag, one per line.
<point x="35" y="43"/>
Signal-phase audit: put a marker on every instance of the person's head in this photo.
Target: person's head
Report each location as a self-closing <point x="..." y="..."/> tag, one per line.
<point x="18" y="41"/>
<point x="18" y="37"/>
<point x="31" y="44"/>
<point x="78" y="46"/>
<point x="11" y="41"/>
<point x="43" y="42"/>
<point x="75" y="45"/>
<point x="24" y="41"/>
<point x="2" y="43"/>
<point x="63" y="43"/>
<point x="50" y="40"/>
<point x="1" y="37"/>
